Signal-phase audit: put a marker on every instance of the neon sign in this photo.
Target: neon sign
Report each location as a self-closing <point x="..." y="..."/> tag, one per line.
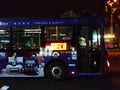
<point x="59" y="46"/>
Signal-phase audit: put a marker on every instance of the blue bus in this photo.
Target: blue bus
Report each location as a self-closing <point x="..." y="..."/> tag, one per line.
<point x="56" y="48"/>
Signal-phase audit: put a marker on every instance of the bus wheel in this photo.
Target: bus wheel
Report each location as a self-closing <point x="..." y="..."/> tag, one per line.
<point x="56" y="70"/>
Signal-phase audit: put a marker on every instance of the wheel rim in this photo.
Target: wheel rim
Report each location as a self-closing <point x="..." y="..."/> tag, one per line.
<point x="56" y="72"/>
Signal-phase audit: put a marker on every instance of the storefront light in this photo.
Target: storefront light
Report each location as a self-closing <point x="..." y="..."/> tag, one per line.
<point x="109" y="36"/>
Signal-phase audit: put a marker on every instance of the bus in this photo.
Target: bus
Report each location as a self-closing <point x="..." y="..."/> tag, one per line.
<point x="55" y="48"/>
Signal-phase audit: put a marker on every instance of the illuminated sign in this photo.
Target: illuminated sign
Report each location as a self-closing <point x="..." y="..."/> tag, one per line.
<point x="32" y="30"/>
<point x="59" y="46"/>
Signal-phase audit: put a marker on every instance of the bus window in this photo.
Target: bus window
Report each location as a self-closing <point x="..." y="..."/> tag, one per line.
<point x="4" y="38"/>
<point x="96" y="38"/>
<point x="60" y="37"/>
<point x="58" y="33"/>
<point x="26" y="37"/>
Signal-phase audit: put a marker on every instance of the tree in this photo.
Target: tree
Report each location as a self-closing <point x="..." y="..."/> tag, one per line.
<point x="116" y="15"/>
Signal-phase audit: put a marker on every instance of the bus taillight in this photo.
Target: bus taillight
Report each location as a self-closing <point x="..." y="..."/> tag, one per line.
<point x="108" y="63"/>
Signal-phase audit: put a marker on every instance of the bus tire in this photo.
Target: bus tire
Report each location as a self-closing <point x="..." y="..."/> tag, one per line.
<point x="56" y="70"/>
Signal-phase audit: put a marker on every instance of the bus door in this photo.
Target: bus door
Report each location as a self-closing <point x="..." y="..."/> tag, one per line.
<point x="83" y="49"/>
<point x="88" y="42"/>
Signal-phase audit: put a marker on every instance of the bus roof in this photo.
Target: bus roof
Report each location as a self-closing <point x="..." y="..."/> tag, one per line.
<point x="49" y="21"/>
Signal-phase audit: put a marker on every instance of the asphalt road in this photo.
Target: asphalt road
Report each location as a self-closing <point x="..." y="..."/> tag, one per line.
<point x="110" y="83"/>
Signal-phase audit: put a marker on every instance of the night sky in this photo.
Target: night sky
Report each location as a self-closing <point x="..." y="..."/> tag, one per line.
<point x="45" y="8"/>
